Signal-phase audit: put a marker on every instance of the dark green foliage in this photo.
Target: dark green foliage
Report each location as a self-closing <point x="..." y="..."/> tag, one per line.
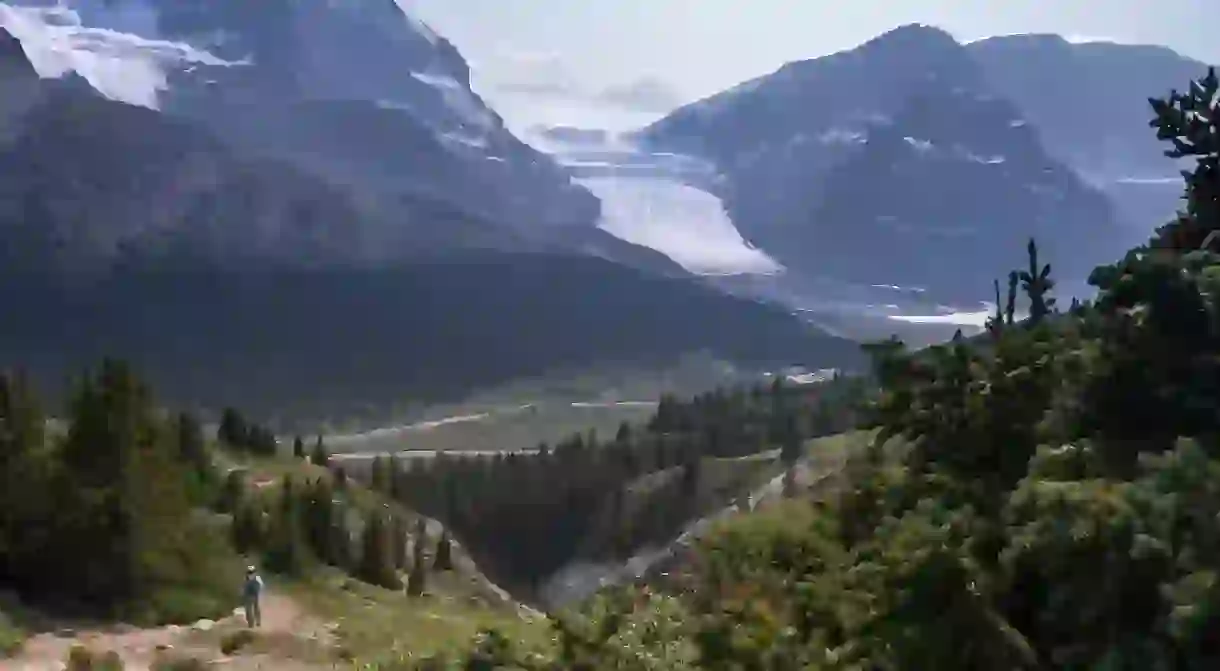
<point x="523" y="516"/>
<point x="377" y="553"/>
<point x="286" y="550"/>
<point x="417" y="579"/>
<point x="237" y="432"/>
<point x="102" y="516"/>
<point x="298" y="447"/>
<point x="401" y="548"/>
<point x="1037" y="284"/>
<point x="319" y="456"/>
<point x="444" y="553"/>
<point x="248" y="532"/>
<point x="1044" y="499"/>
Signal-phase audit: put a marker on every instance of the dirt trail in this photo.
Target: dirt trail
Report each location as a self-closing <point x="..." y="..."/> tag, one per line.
<point x="139" y="647"/>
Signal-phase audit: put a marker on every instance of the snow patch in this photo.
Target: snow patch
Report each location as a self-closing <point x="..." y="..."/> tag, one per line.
<point x="459" y="99"/>
<point x="121" y="66"/>
<point x="842" y="136"/>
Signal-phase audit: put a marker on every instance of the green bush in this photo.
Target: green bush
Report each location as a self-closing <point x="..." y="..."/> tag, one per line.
<point x="81" y="658"/>
<point x="236" y="640"/>
<point x="179" y="664"/>
<point x="12" y="637"/>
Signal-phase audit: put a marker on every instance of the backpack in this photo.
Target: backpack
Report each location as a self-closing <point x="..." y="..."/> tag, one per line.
<point x="253" y="586"/>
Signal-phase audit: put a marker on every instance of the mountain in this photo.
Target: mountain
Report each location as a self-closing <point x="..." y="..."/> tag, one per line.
<point x="233" y="277"/>
<point x="1043" y="74"/>
<point x="898" y="152"/>
<point x="276" y="79"/>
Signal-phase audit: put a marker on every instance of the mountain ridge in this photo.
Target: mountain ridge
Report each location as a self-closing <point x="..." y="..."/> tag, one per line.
<point x="802" y="134"/>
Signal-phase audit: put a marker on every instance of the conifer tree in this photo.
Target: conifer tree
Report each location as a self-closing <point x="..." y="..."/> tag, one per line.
<point x="191" y="447"/>
<point x="377" y="557"/>
<point x="319" y="457"/>
<point x="285" y="550"/>
<point x="398" y="540"/>
<point x="380" y="475"/>
<point x="444" y="552"/>
<point x="1010" y="306"/>
<point x="233" y="431"/>
<point x="1190" y="121"/>
<point x="298" y="447"/>
<point x="23" y="494"/>
<point x="418" y="577"/>
<point x="320" y="519"/>
<point x="247" y="528"/>
<point x="1037" y="283"/>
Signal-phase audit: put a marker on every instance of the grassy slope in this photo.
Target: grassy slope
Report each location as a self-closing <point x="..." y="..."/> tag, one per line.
<point x="354" y="621"/>
<point x="368" y="621"/>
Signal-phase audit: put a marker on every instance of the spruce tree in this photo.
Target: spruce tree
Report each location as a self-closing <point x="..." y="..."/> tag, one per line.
<point x="1190" y="121"/>
<point x="247" y="527"/>
<point x="444" y="553"/>
<point x="23" y="487"/>
<point x="398" y="539"/>
<point x="1010" y="306"/>
<point x="418" y="577"/>
<point x="285" y="550"/>
<point x="191" y="448"/>
<point x="380" y="475"/>
<point x="320" y="457"/>
<point x="377" y="558"/>
<point x="320" y="519"/>
<point x="1037" y="283"/>
<point x="233" y="430"/>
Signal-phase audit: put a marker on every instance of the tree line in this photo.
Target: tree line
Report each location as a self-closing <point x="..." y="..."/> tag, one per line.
<point x="113" y="509"/>
<point x="525" y="515"/>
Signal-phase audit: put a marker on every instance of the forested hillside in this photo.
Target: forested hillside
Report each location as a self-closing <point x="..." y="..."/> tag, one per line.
<point x="1043" y="499"/>
<point x="526" y="515"/>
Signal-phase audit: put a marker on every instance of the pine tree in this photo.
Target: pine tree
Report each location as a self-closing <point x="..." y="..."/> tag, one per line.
<point x="233" y="431"/>
<point x="1010" y="306"/>
<point x="127" y="525"/>
<point x="233" y="490"/>
<point x="1037" y="283"/>
<point x="401" y="551"/>
<point x="995" y="323"/>
<point x="380" y="475"/>
<point x="444" y="553"/>
<point x="320" y="457"/>
<point x="320" y="519"/>
<point x="23" y="492"/>
<point x="285" y="550"/>
<point x="191" y="449"/>
<point x="377" y="558"/>
<point x="1190" y="121"/>
<point x="418" y="577"/>
<point x="790" y="445"/>
<point x="247" y="528"/>
<point x="298" y="448"/>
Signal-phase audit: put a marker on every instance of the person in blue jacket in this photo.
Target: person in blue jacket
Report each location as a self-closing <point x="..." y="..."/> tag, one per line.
<point x="251" y="591"/>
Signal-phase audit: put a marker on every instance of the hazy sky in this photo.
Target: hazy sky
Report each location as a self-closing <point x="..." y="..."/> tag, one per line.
<point x="700" y="46"/>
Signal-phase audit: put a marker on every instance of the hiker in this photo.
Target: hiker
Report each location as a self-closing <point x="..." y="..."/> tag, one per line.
<point x="251" y="592"/>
